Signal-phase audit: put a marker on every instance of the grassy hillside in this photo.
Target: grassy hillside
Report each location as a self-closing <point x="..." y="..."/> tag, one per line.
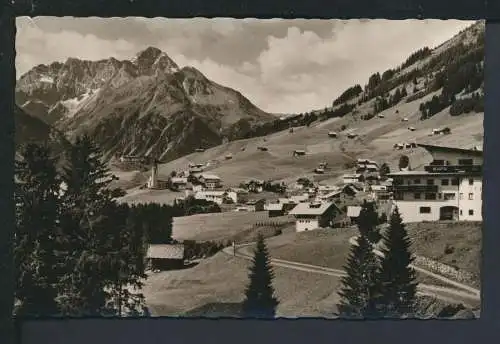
<point x="420" y="93"/>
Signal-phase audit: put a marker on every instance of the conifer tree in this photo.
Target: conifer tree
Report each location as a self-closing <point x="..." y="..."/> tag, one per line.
<point x="368" y="221"/>
<point x="360" y="289"/>
<point x="397" y="278"/>
<point x="90" y="228"/>
<point x="259" y="295"/>
<point x="37" y="210"/>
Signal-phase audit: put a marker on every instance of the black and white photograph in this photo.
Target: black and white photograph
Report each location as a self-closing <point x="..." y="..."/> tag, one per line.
<point x="248" y="168"/>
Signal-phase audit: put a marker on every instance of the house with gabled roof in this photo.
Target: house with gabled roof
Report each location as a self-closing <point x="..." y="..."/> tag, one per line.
<point x="314" y="215"/>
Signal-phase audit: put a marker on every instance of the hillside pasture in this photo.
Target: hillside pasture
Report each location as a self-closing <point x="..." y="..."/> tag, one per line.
<point x="224" y="226"/>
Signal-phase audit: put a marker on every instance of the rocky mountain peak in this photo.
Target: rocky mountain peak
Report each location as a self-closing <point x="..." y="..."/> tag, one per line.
<point x="153" y="60"/>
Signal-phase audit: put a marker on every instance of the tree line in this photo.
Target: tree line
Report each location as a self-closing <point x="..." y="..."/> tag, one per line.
<point x="77" y="250"/>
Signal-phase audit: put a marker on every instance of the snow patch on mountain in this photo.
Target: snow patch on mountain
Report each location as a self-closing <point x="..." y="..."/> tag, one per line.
<point x="47" y="79"/>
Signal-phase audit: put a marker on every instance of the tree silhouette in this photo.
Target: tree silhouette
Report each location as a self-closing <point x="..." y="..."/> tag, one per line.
<point x="367" y="222"/>
<point x="397" y="278"/>
<point x="36" y="237"/>
<point x="384" y="170"/>
<point x="359" y="292"/>
<point x="259" y="296"/>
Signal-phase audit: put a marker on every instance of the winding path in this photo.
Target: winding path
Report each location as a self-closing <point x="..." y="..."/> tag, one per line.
<point x="453" y="295"/>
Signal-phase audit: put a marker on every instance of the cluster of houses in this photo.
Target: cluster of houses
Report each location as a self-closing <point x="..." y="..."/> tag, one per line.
<point x="449" y="188"/>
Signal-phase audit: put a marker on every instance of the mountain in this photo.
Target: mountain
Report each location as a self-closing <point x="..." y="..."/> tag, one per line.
<point x="145" y="106"/>
<point x="31" y="129"/>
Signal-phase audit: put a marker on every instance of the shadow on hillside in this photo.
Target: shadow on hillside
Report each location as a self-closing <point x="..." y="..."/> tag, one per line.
<point x="216" y="310"/>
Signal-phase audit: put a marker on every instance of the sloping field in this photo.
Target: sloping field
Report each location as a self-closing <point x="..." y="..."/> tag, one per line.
<point x="221" y="226"/>
<point x="376" y="138"/>
<point x="136" y="195"/>
<point x="222" y="279"/>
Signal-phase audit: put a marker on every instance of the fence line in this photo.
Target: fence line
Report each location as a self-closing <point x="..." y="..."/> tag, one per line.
<point x="272" y="223"/>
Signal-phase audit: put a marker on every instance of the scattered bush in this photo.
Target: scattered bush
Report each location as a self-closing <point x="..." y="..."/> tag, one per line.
<point x="449" y="249"/>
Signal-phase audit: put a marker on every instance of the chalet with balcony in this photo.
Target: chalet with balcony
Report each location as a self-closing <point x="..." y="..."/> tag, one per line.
<point x="210" y="181"/>
<point x="449" y="188"/>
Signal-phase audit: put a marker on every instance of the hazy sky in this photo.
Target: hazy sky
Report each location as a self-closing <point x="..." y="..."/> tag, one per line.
<point x="280" y="65"/>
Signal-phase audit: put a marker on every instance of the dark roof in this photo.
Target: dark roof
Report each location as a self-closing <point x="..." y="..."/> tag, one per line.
<point x="432" y="148"/>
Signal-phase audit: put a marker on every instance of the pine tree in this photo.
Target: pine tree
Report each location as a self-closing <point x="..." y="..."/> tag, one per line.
<point x="90" y="227"/>
<point x="360" y="289"/>
<point x="259" y="295"/>
<point x="397" y="277"/>
<point x="368" y="221"/>
<point x="37" y="211"/>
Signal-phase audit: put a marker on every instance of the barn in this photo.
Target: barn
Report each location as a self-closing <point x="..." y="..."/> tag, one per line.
<point x="165" y="256"/>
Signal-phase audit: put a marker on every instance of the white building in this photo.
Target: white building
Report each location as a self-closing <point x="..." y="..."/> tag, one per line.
<point x="179" y="183"/>
<point x="450" y="188"/>
<point x="216" y="196"/>
<point x="352" y="178"/>
<point x="313" y="215"/>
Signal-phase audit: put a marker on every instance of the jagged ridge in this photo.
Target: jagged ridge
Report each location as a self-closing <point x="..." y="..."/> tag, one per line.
<point x="147" y="105"/>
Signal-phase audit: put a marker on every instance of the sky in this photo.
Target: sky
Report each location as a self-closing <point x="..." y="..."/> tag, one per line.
<point x="282" y="66"/>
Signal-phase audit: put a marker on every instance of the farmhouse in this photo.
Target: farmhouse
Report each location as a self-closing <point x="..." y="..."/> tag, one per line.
<point x="352" y="189"/>
<point x="165" y="256"/>
<point x="178" y="183"/>
<point x="154" y="182"/>
<point x="332" y="134"/>
<point x="256" y="205"/>
<point x="210" y="181"/>
<point x="313" y="215"/>
<point x="324" y="189"/>
<point x="449" y="188"/>
<point x="299" y="152"/>
<point x="352" y="178"/>
<point x="371" y="167"/>
<point x="279" y="208"/>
